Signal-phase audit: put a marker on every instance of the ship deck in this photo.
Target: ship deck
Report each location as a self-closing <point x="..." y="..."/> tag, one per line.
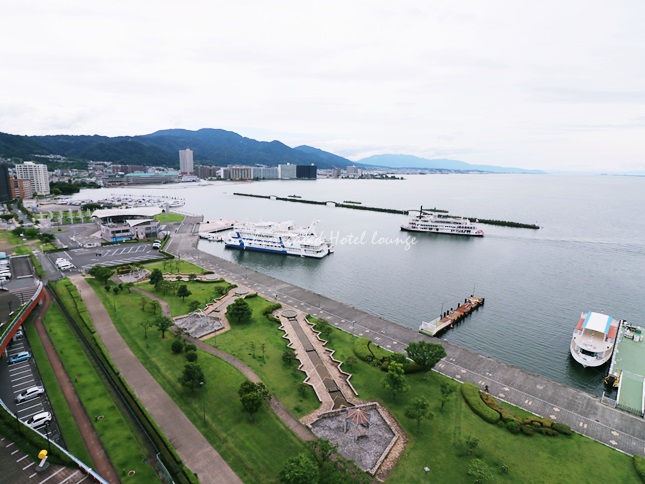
<point x="628" y="362"/>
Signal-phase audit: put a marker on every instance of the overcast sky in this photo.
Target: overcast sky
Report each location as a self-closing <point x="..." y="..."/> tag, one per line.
<point x="556" y="85"/>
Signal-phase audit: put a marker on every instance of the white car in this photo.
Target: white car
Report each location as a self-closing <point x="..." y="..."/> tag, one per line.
<point x="29" y="393"/>
<point x="39" y="419"/>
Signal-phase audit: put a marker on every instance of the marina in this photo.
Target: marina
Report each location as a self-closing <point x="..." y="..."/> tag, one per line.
<point x="452" y="317"/>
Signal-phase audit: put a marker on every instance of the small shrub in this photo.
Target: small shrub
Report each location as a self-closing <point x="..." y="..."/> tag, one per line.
<point x="561" y="428"/>
<point x="191" y="356"/>
<point x="471" y="393"/>
<point x="513" y="426"/>
<point x="639" y="465"/>
<point x="361" y="350"/>
<point x="189" y="347"/>
<point x="526" y="430"/>
<point x="177" y="346"/>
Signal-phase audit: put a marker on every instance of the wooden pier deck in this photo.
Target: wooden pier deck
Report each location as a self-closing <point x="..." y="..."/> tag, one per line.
<point x="452" y="317"/>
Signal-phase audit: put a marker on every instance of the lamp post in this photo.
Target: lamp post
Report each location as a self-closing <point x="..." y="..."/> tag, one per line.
<point x="49" y="449"/>
<point x="201" y="384"/>
<point x="10" y="303"/>
<point x="427" y="471"/>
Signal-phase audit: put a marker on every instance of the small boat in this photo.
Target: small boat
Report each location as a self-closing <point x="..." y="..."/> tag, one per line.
<point x="594" y="339"/>
<point x="211" y="237"/>
<point x="440" y="224"/>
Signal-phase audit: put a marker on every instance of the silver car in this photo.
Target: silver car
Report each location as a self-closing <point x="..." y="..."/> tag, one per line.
<point x="29" y="393"/>
<point x="39" y="419"/>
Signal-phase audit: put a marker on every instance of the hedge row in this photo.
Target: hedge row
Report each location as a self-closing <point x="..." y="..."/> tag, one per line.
<point x="639" y="465"/>
<point x="471" y="395"/>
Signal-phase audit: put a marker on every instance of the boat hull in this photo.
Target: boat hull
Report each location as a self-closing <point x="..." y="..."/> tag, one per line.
<point x="277" y="251"/>
<point x="479" y="233"/>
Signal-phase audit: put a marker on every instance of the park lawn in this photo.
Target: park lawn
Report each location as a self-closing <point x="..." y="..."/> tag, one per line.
<point x="175" y="266"/>
<point x="246" y="341"/>
<point x="203" y="292"/>
<point x="440" y="446"/>
<point x="255" y="450"/>
<point x="8" y="238"/>
<point x="169" y="217"/>
<point x="121" y="444"/>
<point x="66" y="423"/>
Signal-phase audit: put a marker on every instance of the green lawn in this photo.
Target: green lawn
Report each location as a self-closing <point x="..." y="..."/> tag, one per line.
<point x="71" y="435"/>
<point x="169" y="217"/>
<point x="175" y="266"/>
<point x="203" y="292"/>
<point x="122" y="445"/>
<point x="246" y="341"/>
<point x="537" y="458"/>
<point x="248" y="447"/>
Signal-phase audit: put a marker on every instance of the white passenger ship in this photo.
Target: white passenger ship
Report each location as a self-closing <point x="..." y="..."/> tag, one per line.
<point x="594" y="339"/>
<point x="439" y="224"/>
<point x="279" y="238"/>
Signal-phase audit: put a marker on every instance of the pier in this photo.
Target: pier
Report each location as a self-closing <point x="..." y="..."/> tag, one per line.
<point x="452" y="317"/>
<point x="213" y="226"/>
<point x="583" y="412"/>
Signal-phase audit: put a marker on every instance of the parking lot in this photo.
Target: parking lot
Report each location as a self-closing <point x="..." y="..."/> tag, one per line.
<point x="18" y="377"/>
<point x="110" y="255"/>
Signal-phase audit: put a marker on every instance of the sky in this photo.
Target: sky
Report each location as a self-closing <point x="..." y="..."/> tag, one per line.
<point x="552" y="85"/>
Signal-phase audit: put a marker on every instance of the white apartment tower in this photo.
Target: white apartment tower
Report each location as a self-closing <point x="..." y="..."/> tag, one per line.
<point x="186" y="162"/>
<point x="36" y="174"/>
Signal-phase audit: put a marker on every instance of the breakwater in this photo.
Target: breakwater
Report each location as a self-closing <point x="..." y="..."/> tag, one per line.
<point x="356" y="206"/>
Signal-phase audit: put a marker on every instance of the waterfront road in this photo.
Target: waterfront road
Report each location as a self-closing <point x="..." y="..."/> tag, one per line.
<point x="584" y="413"/>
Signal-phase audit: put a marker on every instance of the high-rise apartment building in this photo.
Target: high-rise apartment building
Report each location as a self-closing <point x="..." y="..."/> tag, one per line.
<point x="36" y="174"/>
<point x="186" y="162"/>
<point x="5" y="183"/>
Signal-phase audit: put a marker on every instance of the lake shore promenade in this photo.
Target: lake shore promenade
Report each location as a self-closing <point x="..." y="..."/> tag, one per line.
<point x="583" y="412"/>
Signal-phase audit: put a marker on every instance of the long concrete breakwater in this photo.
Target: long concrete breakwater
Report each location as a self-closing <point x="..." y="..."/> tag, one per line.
<point x="583" y="412"/>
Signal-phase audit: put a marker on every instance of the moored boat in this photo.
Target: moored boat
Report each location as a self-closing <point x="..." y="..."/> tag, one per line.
<point x="594" y="338"/>
<point x="440" y="224"/>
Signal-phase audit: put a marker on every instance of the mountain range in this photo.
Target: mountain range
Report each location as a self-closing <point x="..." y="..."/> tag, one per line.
<point x="210" y="147"/>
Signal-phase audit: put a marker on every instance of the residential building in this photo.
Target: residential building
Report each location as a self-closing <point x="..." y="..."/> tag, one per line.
<point x="265" y="172"/>
<point x="287" y="172"/>
<point x="186" y="162"/>
<point x="354" y="172"/>
<point x="37" y="174"/>
<point x="306" y="172"/>
<point x="5" y="183"/>
<point x="21" y="188"/>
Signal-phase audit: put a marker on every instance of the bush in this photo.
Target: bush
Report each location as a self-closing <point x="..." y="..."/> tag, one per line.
<point x="270" y="308"/>
<point x="513" y="426"/>
<point x="526" y="430"/>
<point x="471" y="395"/>
<point x="189" y="347"/>
<point x="639" y="465"/>
<point x="361" y="350"/>
<point x="191" y="356"/>
<point x="177" y="346"/>
<point x="561" y="428"/>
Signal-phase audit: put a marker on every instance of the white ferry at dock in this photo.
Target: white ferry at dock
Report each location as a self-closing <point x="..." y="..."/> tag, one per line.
<point x="425" y="221"/>
<point x="279" y="238"/>
<point x="594" y="338"/>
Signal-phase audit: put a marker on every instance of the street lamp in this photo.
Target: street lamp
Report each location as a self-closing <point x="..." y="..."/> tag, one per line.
<point x="10" y="303"/>
<point x="201" y="383"/>
<point x="353" y="325"/>
<point x="49" y="449"/>
<point x="427" y="470"/>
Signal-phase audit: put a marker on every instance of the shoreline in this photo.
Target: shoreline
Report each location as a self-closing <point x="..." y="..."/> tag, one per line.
<point x="583" y="412"/>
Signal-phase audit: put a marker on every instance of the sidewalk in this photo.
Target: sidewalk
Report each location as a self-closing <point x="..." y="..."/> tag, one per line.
<point x="195" y="451"/>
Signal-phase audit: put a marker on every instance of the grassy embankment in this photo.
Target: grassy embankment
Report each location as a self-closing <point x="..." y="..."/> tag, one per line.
<point x="441" y="443"/>
<point x="125" y="450"/>
<point x="169" y="217"/>
<point x="255" y="450"/>
<point x="71" y="435"/>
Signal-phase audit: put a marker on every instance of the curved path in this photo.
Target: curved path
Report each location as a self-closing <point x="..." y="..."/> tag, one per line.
<point x="276" y="405"/>
<point x="583" y="412"/>
<point x="101" y="462"/>
<point x="195" y="451"/>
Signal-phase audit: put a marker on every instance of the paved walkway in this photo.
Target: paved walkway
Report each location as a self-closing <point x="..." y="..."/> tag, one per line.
<point x="101" y="461"/>
<point x="195" y="451"/>
<point x="581" y="411"/>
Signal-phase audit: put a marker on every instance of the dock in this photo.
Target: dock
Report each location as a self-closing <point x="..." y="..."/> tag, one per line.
<point x="452" y="317"/>
<point x="213" y="226"/>
<point x="627" y="371"/>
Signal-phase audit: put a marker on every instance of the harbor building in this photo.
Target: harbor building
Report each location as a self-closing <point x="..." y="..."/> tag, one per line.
<point x="36" y="174"/>
<point x="186" y="162"/>
<point x="119" y="224"/>
<point x="151" y="178"/>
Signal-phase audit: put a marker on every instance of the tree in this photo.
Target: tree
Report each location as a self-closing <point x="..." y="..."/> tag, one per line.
<point x="471" y="444"/>
<point x="47" y="238"/>
<point x="191" y="355"/>
<point x="299" y="470"/>
<point x="143" y="301"/>
<point x="418" y="410"/>
<point x="252" y="395"/>
<point x="146" y="325"/>
<point x="183" y="292"/>
<point x="447" y="392"/>
<point x="394" y="380"/>
<point x="164" y="286"/>
<point x="177" y="346"/>
<point x="251" y="387"/>
<point x="480" y="471"/>
<point x="239" y="311"/>
<point x="155" y="276"/>
<point x="192" y="377"/>
<point x="101" y="273"/>
<point x="163" y="324"/>
<point x="192" y="276"/>
<point x="155" y="306"/>
<point x="426" y="355"/>
<point x="193" y="305"/>
<point x="333" y="468"/>
<point x="128" y="286"/>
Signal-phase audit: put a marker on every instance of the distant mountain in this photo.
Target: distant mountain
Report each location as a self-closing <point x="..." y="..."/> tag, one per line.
<point x="415" y="162"/>
<point x="210" y="146"/>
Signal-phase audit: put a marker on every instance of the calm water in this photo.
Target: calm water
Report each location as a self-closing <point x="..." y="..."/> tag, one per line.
<point x="588" y="255"/>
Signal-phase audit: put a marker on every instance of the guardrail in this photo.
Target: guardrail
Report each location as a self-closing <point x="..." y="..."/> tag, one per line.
<point x="10" y="328"/>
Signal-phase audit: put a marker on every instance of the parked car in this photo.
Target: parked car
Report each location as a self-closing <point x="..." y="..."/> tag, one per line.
<point x="19" y="334"/>
<point x="156" y="245"/>
<point x="18" y="357"/>
<point x="39" y="419"/>
<point x="29" y="393"/>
